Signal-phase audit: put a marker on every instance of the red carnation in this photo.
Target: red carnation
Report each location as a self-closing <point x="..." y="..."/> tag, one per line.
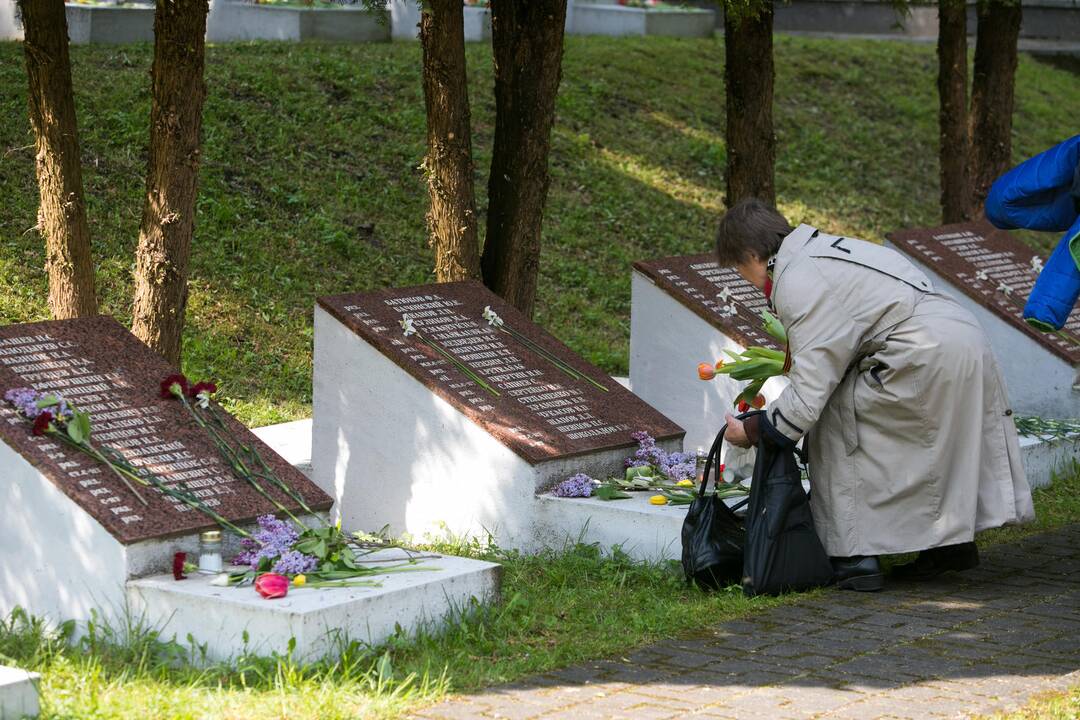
<point x="42" y="422"/>
<point x="202" y="387"/>
<point x="174" y="385"/>
<point x="178" y="561"/>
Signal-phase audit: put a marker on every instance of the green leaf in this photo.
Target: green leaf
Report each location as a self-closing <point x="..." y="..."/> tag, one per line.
<point x="83" y="421"/>
<point x="607" y="492"/>
<point x="48" y="401"/>
<point x="75" y="432"/>
<point x="640" y="471"/>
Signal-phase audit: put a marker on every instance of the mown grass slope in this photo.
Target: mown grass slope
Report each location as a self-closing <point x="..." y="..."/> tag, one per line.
<point x="310" y="179"/>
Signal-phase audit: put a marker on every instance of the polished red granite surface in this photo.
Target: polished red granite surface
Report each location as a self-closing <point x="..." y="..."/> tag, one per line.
<point x="541" y="413"/>
<point x="102" y="368"/>
<point x="993" y="268"/>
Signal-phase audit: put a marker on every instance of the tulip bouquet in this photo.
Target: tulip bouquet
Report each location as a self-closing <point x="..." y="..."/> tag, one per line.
<point x="755" y="364"/>
<point x="323" y="556"/>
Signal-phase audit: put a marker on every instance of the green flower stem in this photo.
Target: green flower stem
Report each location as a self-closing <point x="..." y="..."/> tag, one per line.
<point x="458" y="364"/>
<point x="238" y="466"/>
<point x="338" y="584"/>
<point x="576" y="374"/>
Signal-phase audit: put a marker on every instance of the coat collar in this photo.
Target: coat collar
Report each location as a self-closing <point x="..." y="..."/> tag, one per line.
<point x="791" y="246"/>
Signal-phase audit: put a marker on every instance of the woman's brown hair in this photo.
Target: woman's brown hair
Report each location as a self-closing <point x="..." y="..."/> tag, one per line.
<point x="750" y="229"/>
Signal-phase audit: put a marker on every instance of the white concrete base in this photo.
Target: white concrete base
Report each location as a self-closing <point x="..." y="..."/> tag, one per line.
<point x="1044" y="458"/>
<point x="241" y="21"/>
<point x="667" y="341"/>
<point x="320" y="620"/>
<point x="18" y="694"/>
<point x="392" y="453"/>
<point x="620" y="21"/>
<point x="291" y="440"/>
<point x="642" y="531"/>
<point x="1039" y="382"/>
<point x="405" y="21"/>
<point x="109" y="25"/>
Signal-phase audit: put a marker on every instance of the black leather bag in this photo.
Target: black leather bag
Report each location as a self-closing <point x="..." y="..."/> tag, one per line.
<point x="783" y="551"/>
<point x="713" y="536"/>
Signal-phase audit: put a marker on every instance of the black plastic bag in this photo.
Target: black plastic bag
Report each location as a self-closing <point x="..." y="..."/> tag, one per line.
<point x="783" y="551"/>
<point x="713" y="536"/>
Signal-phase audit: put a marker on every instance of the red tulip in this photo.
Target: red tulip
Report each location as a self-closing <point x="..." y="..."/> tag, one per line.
<point x="705" y="371"/>
<point x="758" y="402"/>
<point x="743" y="406"/>
<point x="272" y="585"/>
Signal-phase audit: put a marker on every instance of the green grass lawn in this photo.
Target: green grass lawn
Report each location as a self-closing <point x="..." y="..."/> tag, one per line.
<point x="310" y="179"/>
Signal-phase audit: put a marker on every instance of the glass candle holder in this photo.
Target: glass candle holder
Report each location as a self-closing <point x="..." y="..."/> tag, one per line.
<point x="210" y="562"/>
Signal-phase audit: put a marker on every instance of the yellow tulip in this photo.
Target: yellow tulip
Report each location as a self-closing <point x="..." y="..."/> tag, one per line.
<point x="299" y="580"/>
<point x="658" y="500"/>
<point x="685" y="483"/>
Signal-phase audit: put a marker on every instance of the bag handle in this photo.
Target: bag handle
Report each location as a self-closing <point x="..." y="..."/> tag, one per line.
<point x="714" y="455"/>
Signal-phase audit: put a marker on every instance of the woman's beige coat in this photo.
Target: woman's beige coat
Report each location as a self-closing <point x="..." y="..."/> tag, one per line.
<point x="910" y="437"/>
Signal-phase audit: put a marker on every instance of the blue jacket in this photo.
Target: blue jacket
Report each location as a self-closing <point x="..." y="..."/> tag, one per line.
<point x="1043" y="193"/>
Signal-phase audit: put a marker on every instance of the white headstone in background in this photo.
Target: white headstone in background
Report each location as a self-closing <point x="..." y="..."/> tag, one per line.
<point x="991" y="273"/>
<point x="402" y="437"/>
<point x="18" y="694"/>
<point x="687" y="310"/>
<point x="10" y="29"/>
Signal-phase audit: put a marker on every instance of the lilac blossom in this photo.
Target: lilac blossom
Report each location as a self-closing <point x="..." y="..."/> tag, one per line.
<point x="676" y="466"/>
<point x="25" y="400"/>
<point x="273" y="539"/>
<point x="580" y="485"/>
<point x="295" y="562"/>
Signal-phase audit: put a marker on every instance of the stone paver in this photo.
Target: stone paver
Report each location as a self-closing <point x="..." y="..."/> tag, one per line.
<point x="978" y="642"/>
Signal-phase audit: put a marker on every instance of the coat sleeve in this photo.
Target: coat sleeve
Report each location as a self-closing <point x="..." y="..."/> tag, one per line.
<point x="824" y="340"/>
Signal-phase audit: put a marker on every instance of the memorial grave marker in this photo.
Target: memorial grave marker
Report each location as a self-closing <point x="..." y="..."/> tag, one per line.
<point x="458" y="425"/>
<point x="686" y="310"/>
<point x="75" y="532"/>
<point x="991" y="273"/>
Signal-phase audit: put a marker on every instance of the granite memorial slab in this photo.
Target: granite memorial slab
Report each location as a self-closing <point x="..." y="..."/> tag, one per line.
<point x="75" y="533"/>
<point x="991" y="273"/>
<point x="685" y="310"/>
<point x="456" y="428"/>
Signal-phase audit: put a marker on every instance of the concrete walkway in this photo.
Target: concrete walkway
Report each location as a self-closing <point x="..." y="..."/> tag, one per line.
<point x="972" y="643"/>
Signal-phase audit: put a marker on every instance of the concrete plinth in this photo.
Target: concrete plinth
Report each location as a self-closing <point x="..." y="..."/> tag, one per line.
<point x="18" y="694"/>
<point x="1044" y="458"/>
<point x="405" y="21"/>
<point x="321" y="621"/>
<point x="619" y="21"/>
<point x="667" y="341"/>
<point x="239" y="21"/>
<point x="107" y="24"/>
<point x="393" y="453"/>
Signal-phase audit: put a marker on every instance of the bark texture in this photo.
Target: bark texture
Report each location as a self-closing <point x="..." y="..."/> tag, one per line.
<point x="992" y="85"/>
<point x="168" y="221"/>
<point x="449" y="163"/>
<point x="61" y="210"/>
<point x="527" y="42"/>
<point x="748" y="79"/>
<point x="953" y="111"/>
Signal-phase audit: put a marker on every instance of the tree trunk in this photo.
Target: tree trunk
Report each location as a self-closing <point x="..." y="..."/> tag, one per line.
<point x="449" y="163"/>
<point x="62" y="211"/>
<point x="952" y="114"/>
<point x="527" y="42"/>
<point x="992" y="85"/>
<point x="748" y="79"/>
<point x="168" y="221"/>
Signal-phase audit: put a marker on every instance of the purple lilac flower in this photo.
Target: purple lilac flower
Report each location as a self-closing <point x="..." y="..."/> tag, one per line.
<point x="294" y="562"/>
<point x="273" y="539"/>
<point x="580" y="485"/>
<point x="676" y="466"/>
<point x="25" y="401"/>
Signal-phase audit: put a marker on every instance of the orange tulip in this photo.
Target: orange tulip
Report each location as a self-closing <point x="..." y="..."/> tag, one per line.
<point x="758" y="402"/>
<point x="705" y="371"/>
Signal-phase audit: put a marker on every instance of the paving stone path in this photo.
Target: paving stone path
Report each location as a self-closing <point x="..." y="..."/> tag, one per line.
<point x="972" y="643"/>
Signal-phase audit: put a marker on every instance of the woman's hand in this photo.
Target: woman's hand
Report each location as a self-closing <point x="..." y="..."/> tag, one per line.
<point x="736" y="433"/>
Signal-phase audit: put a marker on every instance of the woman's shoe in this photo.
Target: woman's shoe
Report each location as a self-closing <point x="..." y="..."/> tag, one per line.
<point x="859" y="572"/>
<point x="935" y="561"/>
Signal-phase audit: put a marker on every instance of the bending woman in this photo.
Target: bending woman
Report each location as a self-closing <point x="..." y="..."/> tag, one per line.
<point x="907" y="423"/>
